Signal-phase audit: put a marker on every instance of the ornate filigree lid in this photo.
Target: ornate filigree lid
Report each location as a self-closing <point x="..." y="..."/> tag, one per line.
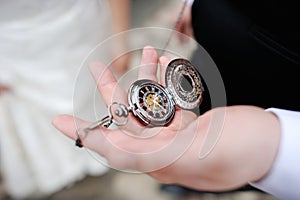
<point x="184" y="83"/>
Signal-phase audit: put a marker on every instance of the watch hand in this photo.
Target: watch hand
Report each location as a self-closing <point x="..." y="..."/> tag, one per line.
<point x="159" y="105"/>
<point x="157" y="102"/>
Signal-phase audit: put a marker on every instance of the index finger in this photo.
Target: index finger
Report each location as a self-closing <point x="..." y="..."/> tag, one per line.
<point x="148" y="68"/>
<point x="107" y="84"/>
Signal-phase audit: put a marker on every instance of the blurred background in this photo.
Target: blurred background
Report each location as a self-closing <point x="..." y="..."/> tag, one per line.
<point x="115" y="185"/>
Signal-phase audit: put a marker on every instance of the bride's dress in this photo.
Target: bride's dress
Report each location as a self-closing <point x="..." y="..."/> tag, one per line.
<point x="42" y="44"/>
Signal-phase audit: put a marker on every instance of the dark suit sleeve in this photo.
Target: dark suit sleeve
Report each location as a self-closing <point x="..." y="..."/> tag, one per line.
<point x="255" y="45"/>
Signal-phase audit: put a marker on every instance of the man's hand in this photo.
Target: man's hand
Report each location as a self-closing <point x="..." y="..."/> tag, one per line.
<point x="243" y="151"/>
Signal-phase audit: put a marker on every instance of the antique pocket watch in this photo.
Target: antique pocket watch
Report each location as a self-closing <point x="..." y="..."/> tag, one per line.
<point x="154" y="104"/>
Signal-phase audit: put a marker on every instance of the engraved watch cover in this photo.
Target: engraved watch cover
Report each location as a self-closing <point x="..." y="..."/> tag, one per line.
<point x="177" y="71"/>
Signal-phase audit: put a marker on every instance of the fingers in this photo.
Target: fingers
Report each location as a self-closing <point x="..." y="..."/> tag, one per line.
<point x="121" y="150"/>
<point x="103" y="141"/>
<point x="163" y="61"/>
<point x="66" y="125"/>
<point x="111" y="91"/>
<point x="149" y="62"/>
<point x="120" y="65"/>
<point x="107" y="84"/>
<point x="73" y="127"/>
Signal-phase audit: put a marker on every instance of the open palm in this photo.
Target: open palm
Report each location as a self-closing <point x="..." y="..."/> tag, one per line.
<point x="170" y="154"/>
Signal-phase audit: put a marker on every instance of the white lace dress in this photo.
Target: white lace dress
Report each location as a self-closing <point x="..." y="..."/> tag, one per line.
<point x="42" y="44"/>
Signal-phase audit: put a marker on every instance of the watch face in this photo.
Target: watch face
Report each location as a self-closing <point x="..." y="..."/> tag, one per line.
<point x="154" y="105"/>
<point x="151" y="103"/>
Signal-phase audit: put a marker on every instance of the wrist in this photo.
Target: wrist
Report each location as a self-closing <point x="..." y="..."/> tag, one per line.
<point x="269" y="146"/>
<point x="282" y="179"/>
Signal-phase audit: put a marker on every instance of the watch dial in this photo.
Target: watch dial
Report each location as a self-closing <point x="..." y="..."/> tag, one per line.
<point x="150" y="103"/>
<point x="153" y="101"/>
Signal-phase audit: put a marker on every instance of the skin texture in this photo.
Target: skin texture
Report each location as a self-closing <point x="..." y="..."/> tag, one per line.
<point x="244" y="151"/>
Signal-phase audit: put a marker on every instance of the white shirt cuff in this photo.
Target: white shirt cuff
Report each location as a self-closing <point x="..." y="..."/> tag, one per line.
<point x="283" y="180"/>
<point x="189" y="2"/>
